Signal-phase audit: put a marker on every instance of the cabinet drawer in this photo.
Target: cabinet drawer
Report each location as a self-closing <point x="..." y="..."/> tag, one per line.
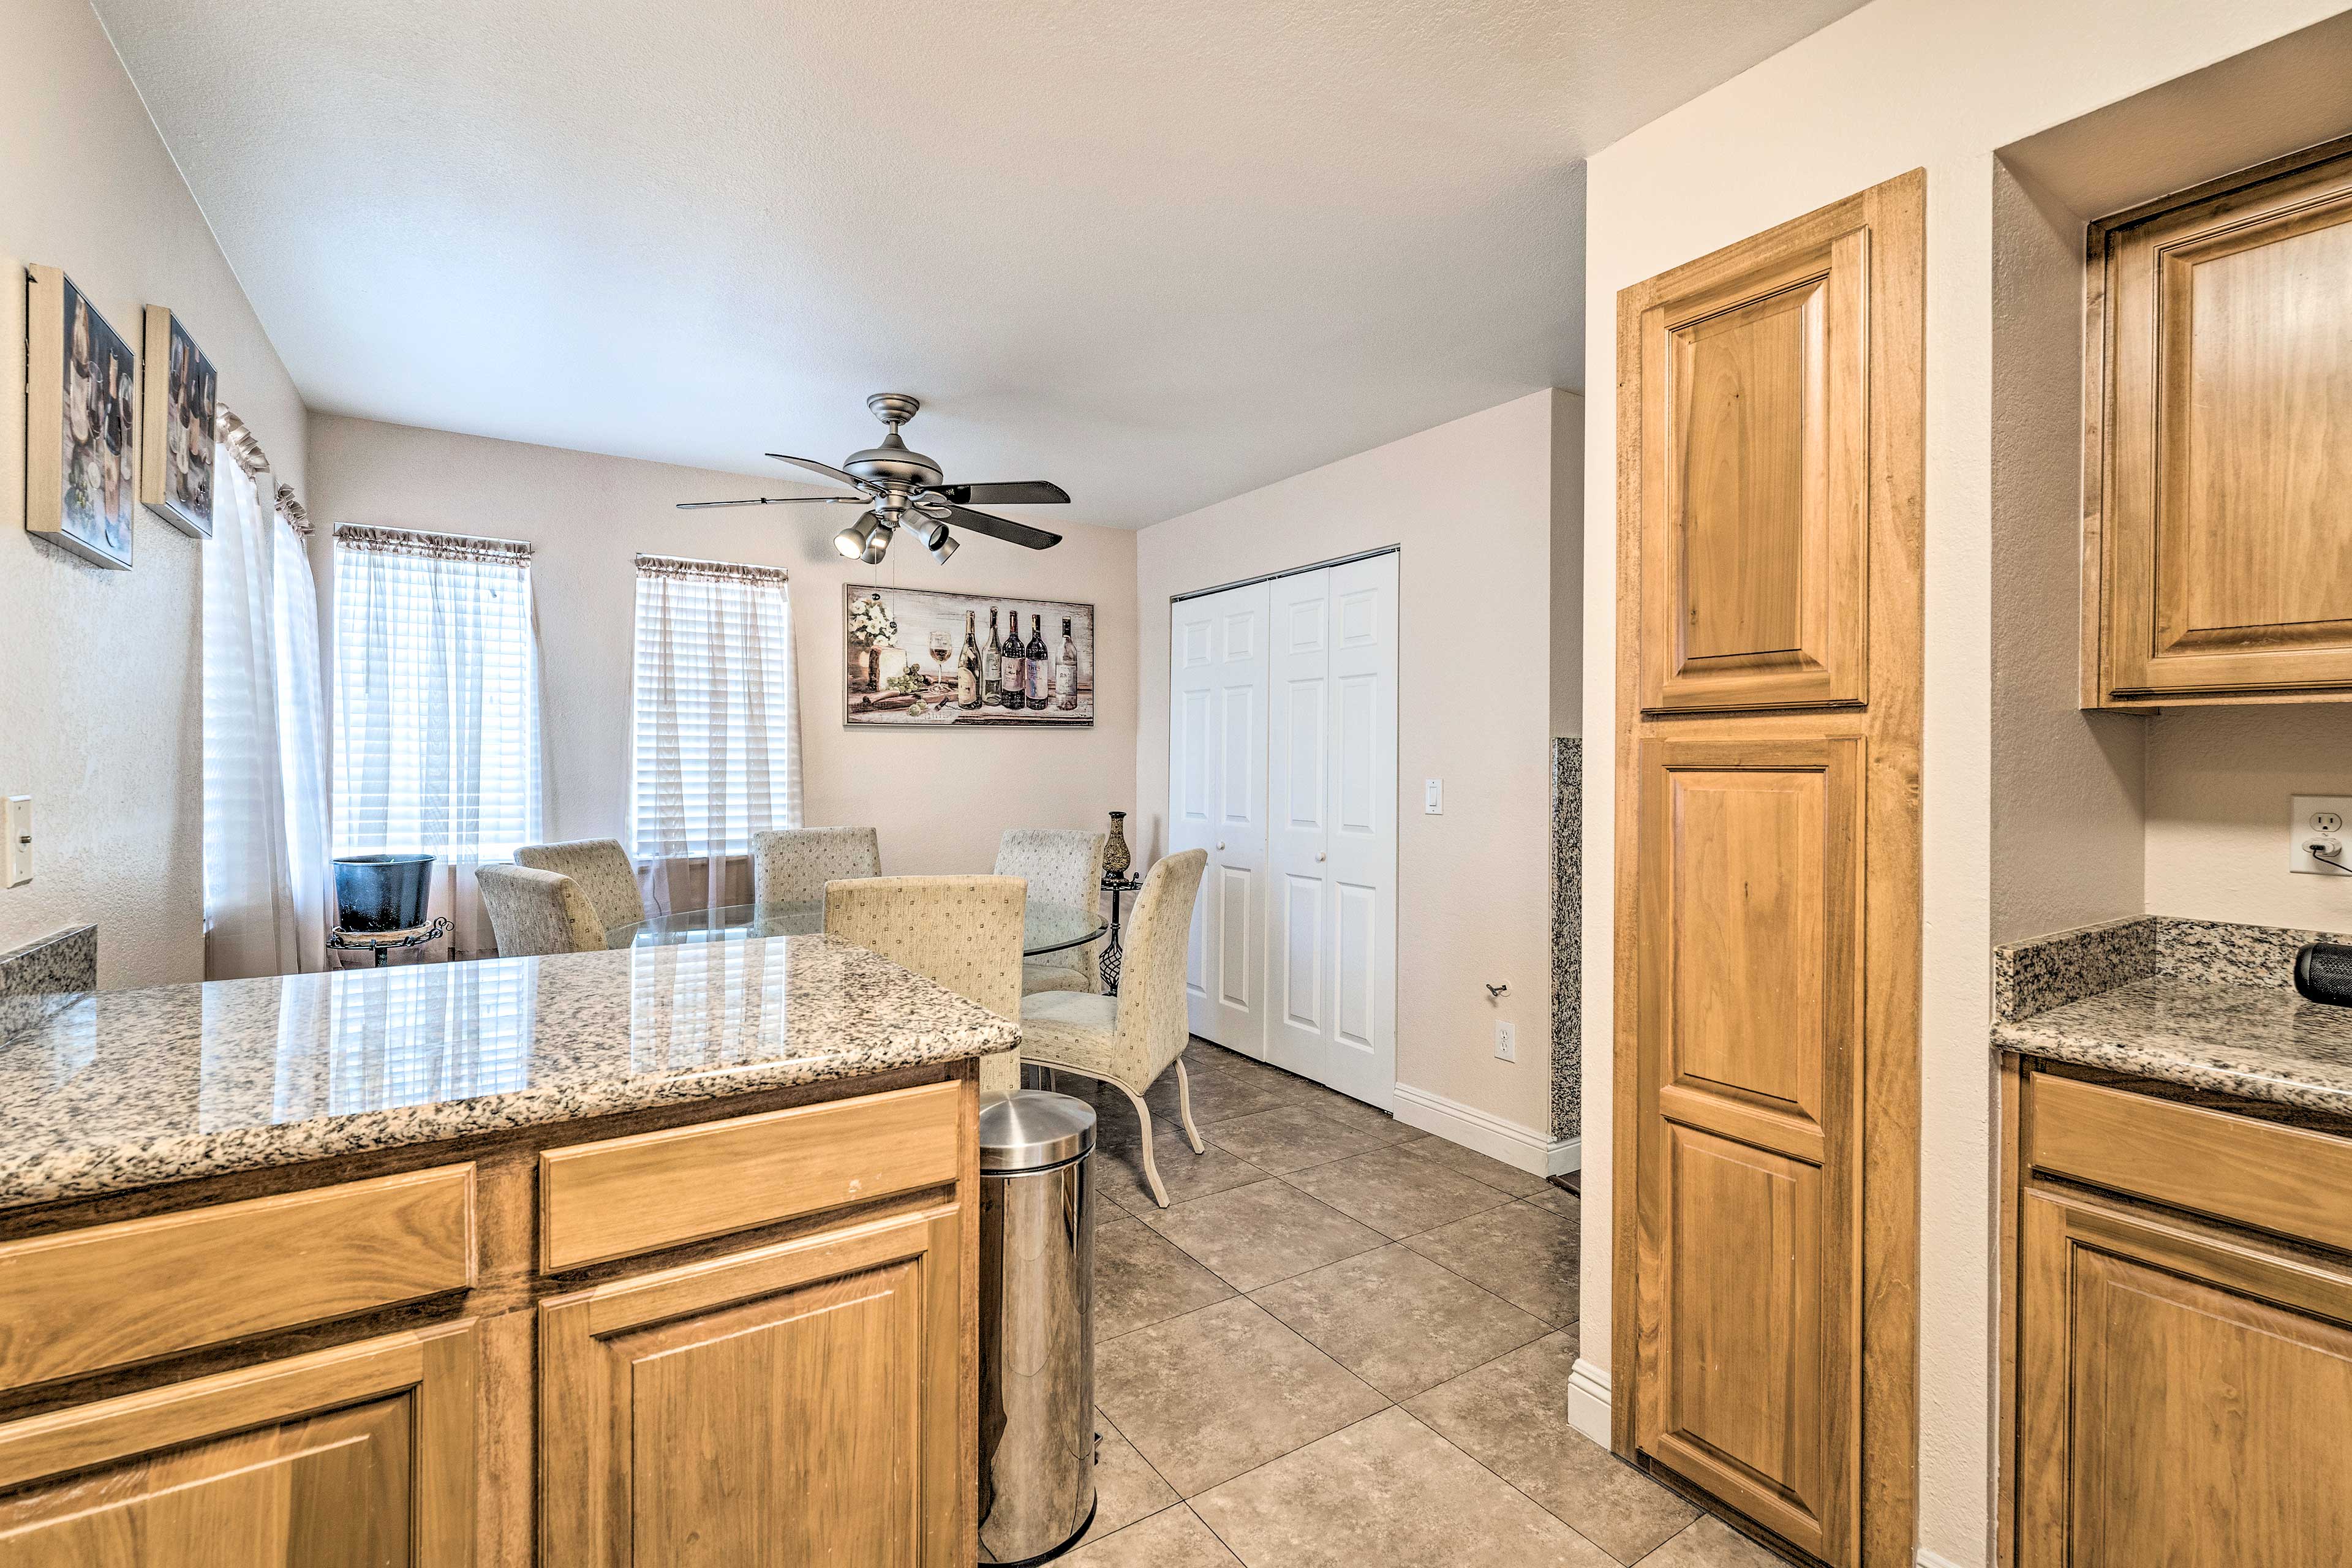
<point x="629" y="1195"/>
<point x="2258" y="1173"/>
<point x="85" y="1300"/>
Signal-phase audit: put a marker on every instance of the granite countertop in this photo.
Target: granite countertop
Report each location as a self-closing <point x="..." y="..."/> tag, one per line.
<point x="2190" y="1002"/>
<point x="128" y="1089"/>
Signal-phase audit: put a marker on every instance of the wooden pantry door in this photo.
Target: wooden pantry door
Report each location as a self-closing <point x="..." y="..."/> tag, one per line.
<point x="1767" y="976"/>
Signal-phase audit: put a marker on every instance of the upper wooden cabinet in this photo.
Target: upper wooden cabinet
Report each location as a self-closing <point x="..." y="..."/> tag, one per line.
<point x="1755" y="411"/>
<point x="2219" y="413"/>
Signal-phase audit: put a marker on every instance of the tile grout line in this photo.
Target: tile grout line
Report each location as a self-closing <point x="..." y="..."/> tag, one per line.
<point x="1606" y="1554"/>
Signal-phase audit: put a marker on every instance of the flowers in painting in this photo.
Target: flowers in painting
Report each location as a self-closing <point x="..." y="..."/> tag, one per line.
<point x="870" y="624"/>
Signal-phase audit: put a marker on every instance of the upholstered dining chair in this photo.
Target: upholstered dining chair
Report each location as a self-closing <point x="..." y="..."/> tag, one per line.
<point x="602" y="868"/>
<point x="1131" y="1038"/>
<point x="963" y="932"/>
<point x="792" y="865"/>
<point x="1064" y="864"/>
<point x="534" y="911"/>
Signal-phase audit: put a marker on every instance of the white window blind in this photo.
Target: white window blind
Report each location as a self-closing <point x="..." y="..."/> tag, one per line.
<point x="714" y="750"/>
<point x="436" y="695"/>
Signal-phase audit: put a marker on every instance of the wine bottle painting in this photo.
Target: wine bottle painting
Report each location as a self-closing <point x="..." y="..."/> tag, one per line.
<point x="916" y="659"/>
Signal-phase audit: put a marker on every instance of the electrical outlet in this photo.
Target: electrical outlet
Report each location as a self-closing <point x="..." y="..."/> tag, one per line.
<point x="1506" y="1043"/>
<point x="16" y="853"/>
<point x="2316" y="822"/>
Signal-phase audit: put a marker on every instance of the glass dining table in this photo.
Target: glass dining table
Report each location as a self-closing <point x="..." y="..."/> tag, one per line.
<point x="1045" y="926"/>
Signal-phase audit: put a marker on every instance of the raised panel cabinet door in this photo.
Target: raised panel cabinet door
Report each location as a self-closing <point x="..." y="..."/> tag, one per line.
<point x="360" y="1457"/>
<point x="2182" y="1398"/>
<point x="2227" y="496"/>
<point x="798" y="1403"/>
<point x="1750" y="1015"/>
<point x="1755" y="483"/>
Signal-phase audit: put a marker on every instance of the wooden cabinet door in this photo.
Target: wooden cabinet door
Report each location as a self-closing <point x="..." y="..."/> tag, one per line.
<point x="2181" y="1399"/>
<point x="2226" y="498"/>
<point x="1749" y="1013"/>
<point x="361" y="1457"/>
<point x="799" y="1404"/>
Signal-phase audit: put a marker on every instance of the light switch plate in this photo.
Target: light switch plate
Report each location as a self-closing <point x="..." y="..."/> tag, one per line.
<point x="16" y="854"/>
<point x="1432" y="797"/>
<point x="2319" y="817"/>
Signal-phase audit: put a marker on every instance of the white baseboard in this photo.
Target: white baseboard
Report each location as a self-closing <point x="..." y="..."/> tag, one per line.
<point x="1521" y="1148"/>
<point x="1588" y="1401"/>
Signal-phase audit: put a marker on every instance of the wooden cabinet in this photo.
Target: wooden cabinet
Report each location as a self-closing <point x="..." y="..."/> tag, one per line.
<point x="795" y="1403"/>
<point x="361" y="1457"/>
<point x="1767" y="896"/>
<point x="2181" y="1387"/>
<point x="2219" y="413"/>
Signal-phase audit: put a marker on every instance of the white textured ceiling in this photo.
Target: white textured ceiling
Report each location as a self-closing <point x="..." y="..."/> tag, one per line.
<point x="1160" y="252"/>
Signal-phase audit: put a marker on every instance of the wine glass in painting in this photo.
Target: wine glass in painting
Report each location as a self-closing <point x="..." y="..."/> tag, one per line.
<point x="941" y="648"/>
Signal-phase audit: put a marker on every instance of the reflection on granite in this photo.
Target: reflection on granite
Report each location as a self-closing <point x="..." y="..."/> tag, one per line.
<point x="127" y="1088"/>
<point x="42" y="977"/>
<point x="2259" y="1042"/>
<point x="2031" y="977"/>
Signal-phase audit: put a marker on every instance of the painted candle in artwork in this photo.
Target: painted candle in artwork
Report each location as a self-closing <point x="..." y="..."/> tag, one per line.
<point x="81" y="450"/>
<point x="918" y="659"/>
<point x="176" y="468"/>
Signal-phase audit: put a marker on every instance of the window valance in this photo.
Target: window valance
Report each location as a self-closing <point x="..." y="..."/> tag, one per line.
<point x="685" y="567"/>
<point x="433" y="546"/>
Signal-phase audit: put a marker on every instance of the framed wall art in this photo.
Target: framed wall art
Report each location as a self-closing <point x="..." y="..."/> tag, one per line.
<point x="81" y="451"/>
<point x="918" y="659"/>
<point x="177" y="397"/>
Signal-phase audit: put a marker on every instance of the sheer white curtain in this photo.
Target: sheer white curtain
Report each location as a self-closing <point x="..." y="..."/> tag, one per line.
<point x="437" y="708"/>
<point x="265" y="875"/>
<point x="715" y="728"/>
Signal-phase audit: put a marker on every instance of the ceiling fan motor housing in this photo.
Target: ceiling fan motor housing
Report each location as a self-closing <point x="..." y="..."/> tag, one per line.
<point x="892" y="463"/>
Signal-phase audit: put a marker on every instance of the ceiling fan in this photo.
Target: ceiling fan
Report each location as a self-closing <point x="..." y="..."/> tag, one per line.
<point x="901" y="489"/>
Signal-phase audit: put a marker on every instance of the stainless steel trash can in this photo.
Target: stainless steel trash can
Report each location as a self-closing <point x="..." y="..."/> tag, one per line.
<point x="1037" y="1326"/>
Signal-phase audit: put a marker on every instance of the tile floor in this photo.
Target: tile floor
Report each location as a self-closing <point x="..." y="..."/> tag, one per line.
<point x="1345" y="1343"/>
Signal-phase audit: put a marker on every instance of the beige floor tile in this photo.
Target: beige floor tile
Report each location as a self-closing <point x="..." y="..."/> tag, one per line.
<point x="1709" y="1543"/>
<point x="1126" y="1488"/>
<point x="1476" y="1166"/>
<point x="1207" y="1395"/>
<point x="1398" y="1320"/>
<point x="1218" y="1097"/>
<point x="1173" y="1538"/>
<point x="1291" y="1138"/>
<point x="1387" y="1490"/>
<point x="1118" y="1169"/>
<point x="1558" y="1202"/>
<point x="1141" y="1278"/>
<point x="1395" y="1191"/>
<point x="1251" y="1236"/>
<point x="1511" y="1416"/>
<point x="1355" y="1113"/>
<point x="1523" y="1253"/>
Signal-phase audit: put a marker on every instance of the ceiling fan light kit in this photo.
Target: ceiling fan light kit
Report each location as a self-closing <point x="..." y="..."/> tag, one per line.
<point x="901" y="488"/>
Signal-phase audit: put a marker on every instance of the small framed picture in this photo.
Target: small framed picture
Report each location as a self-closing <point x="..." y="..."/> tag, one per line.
<point x="176" y="399"/>
<point x="81" y="450"/>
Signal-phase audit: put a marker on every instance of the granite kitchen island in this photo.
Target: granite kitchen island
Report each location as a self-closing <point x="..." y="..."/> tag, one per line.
<point x="644" y="1253"/>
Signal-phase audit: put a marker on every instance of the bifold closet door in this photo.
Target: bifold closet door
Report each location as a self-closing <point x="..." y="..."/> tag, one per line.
<point x="1331" y="770"/>
<point x="1217" y="799"/>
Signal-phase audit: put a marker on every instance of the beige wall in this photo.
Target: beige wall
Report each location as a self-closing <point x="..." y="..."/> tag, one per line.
<point x="1897" y="85"/>
<point x="939" y="799"/>
<point x="103" y="717"/>
<point x="2218" y="821"/>
<point x="1472" y="505"/>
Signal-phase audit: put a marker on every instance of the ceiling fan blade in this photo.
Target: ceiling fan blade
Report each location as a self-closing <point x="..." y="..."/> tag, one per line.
<point x="1003" y="528"/>
<point x="827" y="469"/>
<point x="1016" y="492"/>
<point x="774" y="501"/>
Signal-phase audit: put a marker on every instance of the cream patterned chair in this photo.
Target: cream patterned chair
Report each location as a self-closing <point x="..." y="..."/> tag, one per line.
<point x="792" y="865"/>
<point x="963" y="932"/>
<point x="534" y="911"/>
<point x="1131" y="1038"/>
<point x="602" y="868"/>
<point x="1065" y="865"/>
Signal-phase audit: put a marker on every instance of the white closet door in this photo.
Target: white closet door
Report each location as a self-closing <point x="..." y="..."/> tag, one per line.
<point x="1360" y="1050"/>
<point x="1299" y="982"/>
<point x="1216" y="777"/>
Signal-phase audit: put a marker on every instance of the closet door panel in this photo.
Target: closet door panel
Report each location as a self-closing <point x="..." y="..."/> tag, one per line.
<point x="1218" y="648"/>
<point x="1299" y="926"/>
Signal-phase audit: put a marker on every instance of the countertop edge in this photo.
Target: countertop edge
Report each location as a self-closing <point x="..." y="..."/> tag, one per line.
<point x="2078" y="1049"/>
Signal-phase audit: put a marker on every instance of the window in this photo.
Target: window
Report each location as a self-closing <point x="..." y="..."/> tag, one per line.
<point x="715" y="735"/>
<point x="436" y="695"/>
